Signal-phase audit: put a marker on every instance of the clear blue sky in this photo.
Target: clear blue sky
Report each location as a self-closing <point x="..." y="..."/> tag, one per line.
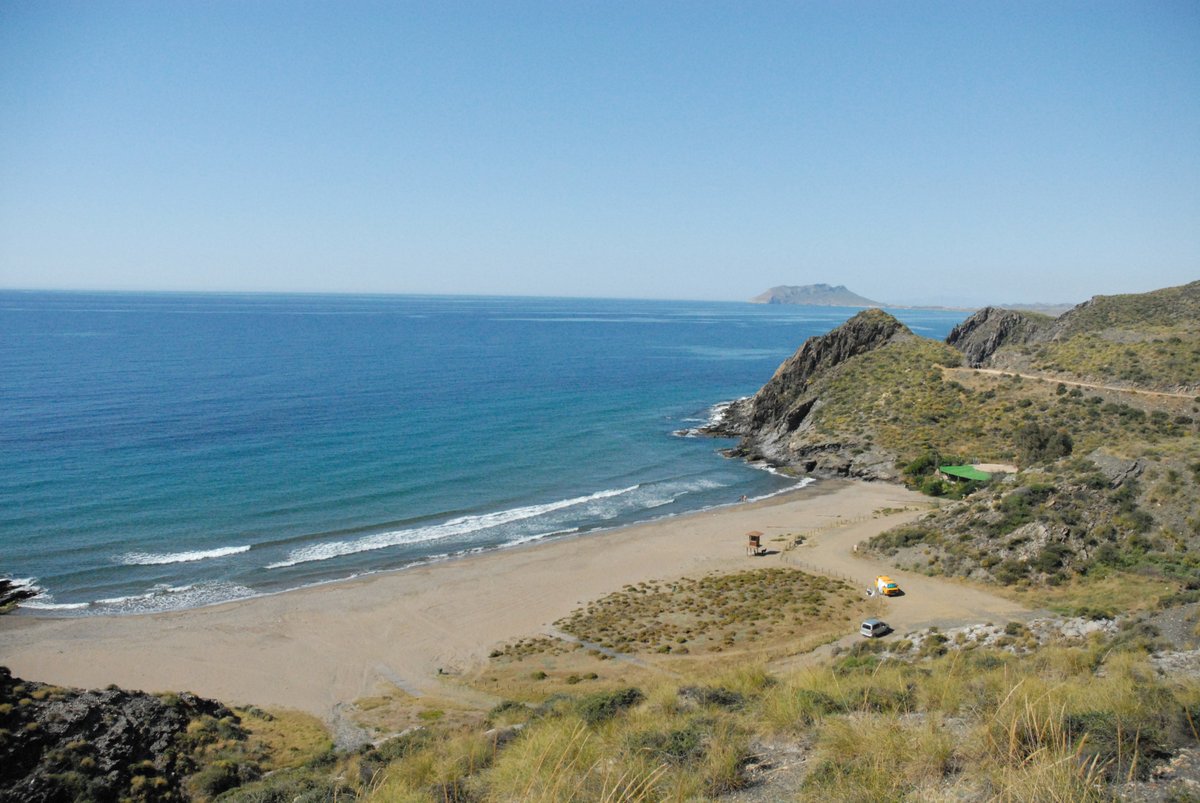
<point x="957" y="152"/>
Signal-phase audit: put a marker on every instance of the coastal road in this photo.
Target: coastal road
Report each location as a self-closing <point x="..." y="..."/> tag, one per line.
<point x="1163" y="394"/>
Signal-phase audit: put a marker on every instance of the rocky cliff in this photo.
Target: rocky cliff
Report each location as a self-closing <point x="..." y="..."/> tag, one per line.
<point x="768" y="422"/>
<point x="985" y="332"/>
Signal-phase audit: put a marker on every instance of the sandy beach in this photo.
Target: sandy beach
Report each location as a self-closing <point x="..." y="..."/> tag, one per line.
<point x="319" y="647"/>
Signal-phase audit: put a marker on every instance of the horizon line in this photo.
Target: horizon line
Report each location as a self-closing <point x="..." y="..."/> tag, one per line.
<point x="400" y="294"/>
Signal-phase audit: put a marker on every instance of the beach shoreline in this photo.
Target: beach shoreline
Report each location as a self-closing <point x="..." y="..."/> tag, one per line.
<point x="320" y="647"/>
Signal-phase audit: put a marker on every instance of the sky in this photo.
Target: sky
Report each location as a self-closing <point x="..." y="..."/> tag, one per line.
<point x="916" y="152"/>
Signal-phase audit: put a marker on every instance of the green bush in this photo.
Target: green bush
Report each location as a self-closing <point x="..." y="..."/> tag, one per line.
<point x="1038" y="443"/>
<point x="680" y="746"/>
<point x="602" y="706"/>
<point x="218" y="777"/>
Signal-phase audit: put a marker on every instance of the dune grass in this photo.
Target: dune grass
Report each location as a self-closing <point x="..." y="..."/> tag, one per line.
<point x="1057" y="723"/>
<point x="715" y="613"/>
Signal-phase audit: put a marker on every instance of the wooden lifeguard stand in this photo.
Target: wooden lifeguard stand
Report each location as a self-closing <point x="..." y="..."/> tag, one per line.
<point x="754" y="545"/>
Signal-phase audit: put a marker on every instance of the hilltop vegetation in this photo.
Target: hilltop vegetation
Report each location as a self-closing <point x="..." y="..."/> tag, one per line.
<point x="1169" y="361"/>
<point x="1149" y="340"/>
<point x="1172" y="308"/>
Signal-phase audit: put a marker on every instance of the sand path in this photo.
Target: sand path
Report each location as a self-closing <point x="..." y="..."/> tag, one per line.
<point x="318" y="648"/>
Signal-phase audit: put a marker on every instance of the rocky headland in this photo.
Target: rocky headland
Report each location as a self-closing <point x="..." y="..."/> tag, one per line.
<point x="775" y="424"/>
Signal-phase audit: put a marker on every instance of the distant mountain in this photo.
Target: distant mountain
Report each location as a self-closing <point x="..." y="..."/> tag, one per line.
<point x="814" y="295"/>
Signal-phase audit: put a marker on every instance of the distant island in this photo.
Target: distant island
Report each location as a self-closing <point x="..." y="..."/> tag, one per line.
<point x="814" y="295"/>
<point x="827" y="295"/>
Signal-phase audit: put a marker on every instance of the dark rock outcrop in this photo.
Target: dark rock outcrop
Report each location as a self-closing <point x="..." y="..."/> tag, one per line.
<point x="13" y="593"/>
<point x="766" y="421"/>
<point x="985" y="332"/>
<point x="1117" y="470"/>
<point x="68" y="744"/>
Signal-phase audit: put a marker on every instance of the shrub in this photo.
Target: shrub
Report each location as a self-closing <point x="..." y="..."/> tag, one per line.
<point x="220" y="776"/>
<point x="680" y="746"/>
<point x="1010" y="571"/>
<point x="1051" y="558"/>
<point x="602" y="706"/>
<point x="1037" y="443"/>
<point x="709" y="695"/>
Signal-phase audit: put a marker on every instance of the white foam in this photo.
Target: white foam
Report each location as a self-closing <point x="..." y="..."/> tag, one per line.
<point x="458" y="526"/>
<point x="716" y="414"/>
<point x="41" y="600"/>
<point x="650" y="497"/>
<point x="170" y="598"/>
<point x="156" y="591"/>
<point x="153" y="559"/>
<point x="804" y="483"/>
<point x="39" y="604"/>
<point x="538" y="537"/>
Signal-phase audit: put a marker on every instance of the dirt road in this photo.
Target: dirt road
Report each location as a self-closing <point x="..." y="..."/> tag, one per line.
<point x="1071" y="384"/>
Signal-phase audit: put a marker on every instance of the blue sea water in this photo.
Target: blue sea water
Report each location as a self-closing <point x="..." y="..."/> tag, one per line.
<point x="161" y="451"/>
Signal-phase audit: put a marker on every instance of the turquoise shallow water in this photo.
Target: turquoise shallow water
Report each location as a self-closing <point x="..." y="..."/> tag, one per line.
<point x="160" y="451"/>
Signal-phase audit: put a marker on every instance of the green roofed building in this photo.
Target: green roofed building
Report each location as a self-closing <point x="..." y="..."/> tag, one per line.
<point x="959" y="473"/>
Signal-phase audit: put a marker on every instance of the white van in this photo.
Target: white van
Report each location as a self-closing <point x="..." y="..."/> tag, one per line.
<point x="873" y="628"/>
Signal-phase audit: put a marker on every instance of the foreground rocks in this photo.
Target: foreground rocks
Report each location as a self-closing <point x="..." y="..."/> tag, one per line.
<point x="61" y="744"/>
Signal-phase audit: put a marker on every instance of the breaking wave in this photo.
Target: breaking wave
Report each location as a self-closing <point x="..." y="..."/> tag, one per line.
<point x="462" y="525"/>
<point x="152" y="559"/>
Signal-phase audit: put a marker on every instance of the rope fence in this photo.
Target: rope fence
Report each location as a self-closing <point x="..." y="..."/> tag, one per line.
<point x="796" y="538"/>
<point x="803" y="564"/>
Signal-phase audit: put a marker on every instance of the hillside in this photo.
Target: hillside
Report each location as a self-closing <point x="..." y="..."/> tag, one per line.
<point x="1148" y="340"/>
<point x="813" y="295"/>
<point x="1109" y="469"/>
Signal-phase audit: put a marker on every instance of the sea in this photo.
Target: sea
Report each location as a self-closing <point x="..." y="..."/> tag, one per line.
<point x="161" y="451"/>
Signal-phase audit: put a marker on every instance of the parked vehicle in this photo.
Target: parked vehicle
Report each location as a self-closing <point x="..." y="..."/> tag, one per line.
<point x="874" y="628"/>
<point x="887" y="586"/>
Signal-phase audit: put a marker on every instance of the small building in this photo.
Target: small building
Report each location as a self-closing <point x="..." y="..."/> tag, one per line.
<point x="963" y="474"/>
